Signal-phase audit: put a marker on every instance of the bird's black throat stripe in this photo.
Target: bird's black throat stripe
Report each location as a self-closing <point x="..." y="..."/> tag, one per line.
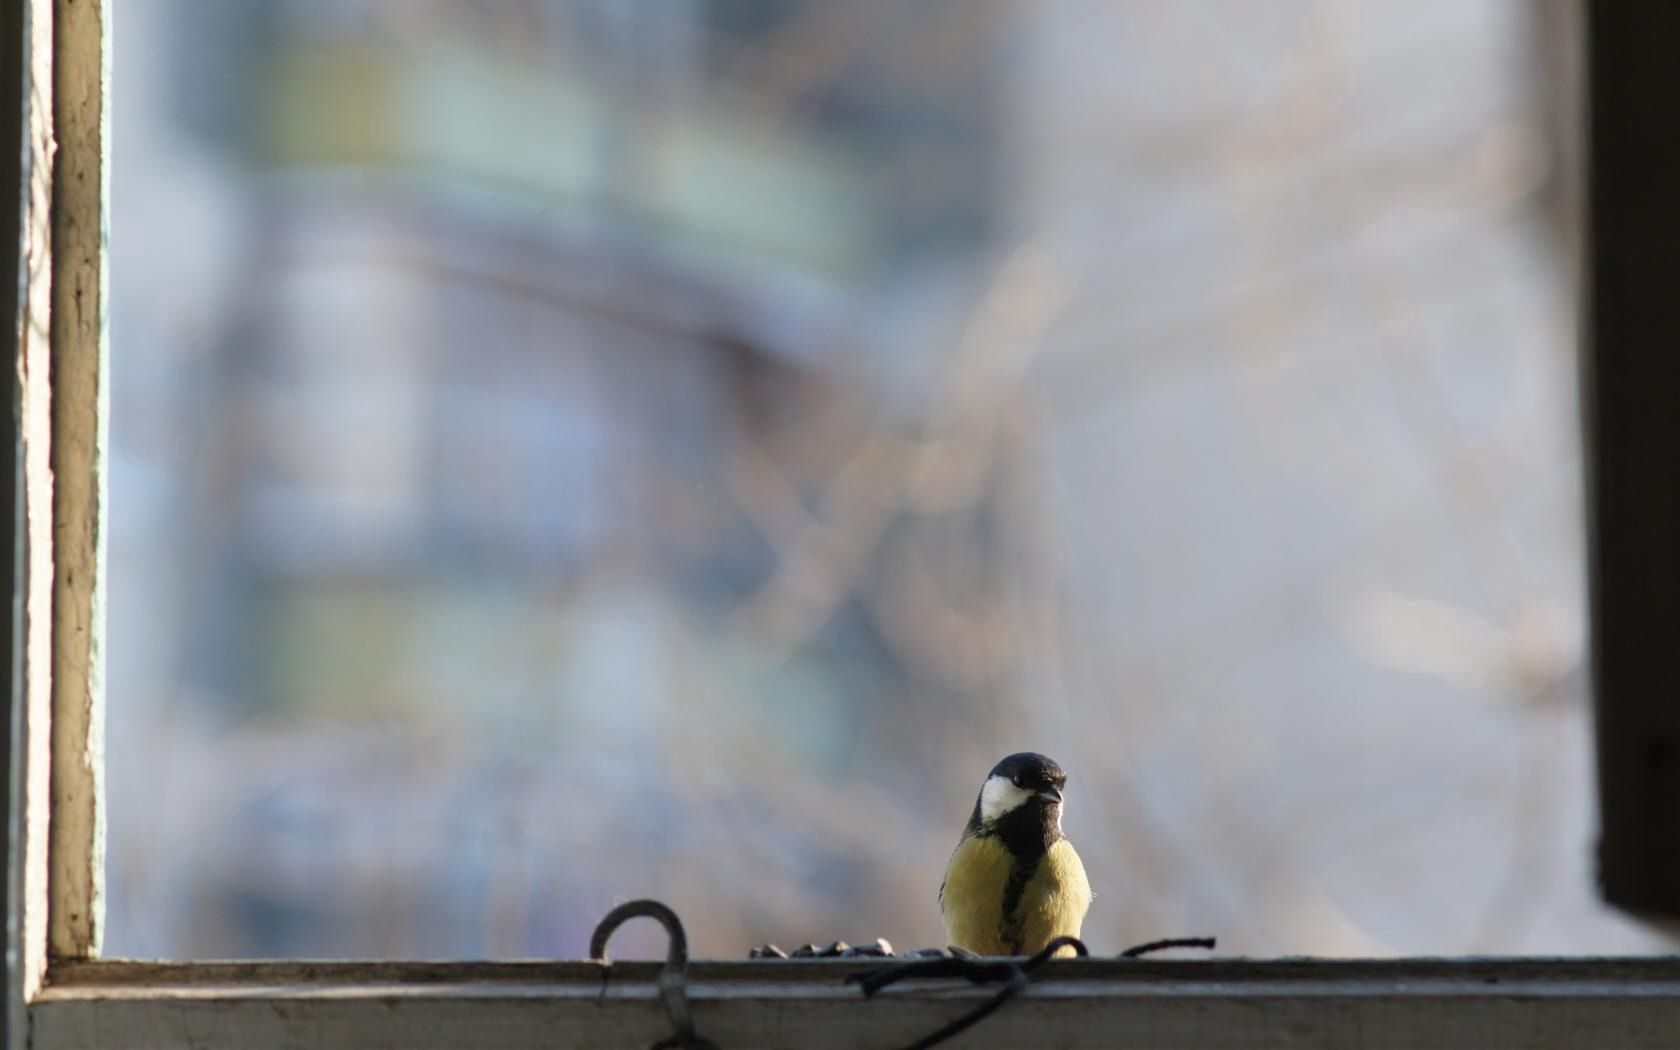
<point x="1027" y="832"/>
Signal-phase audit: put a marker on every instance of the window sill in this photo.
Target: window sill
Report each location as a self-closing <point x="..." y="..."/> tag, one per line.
<point x="1478" y="1003"/>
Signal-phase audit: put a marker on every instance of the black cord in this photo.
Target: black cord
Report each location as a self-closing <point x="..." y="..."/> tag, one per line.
<point x="1017" y="981"/>
<point x="973" y="968"/>
<point x="1171" y="942"/>
<point x="982" y="970"/>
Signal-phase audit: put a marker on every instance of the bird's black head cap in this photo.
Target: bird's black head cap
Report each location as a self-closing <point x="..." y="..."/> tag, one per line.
<point x="1029" y="769"/>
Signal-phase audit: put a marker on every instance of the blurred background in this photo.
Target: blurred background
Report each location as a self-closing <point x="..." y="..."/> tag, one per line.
<point x="572" y="450"/>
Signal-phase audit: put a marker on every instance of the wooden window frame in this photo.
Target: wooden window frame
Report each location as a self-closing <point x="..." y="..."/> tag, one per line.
<point x="60" y="994"/>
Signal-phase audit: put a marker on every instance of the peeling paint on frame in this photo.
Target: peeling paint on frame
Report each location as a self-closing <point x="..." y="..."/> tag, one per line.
<point x="81" y="118"/>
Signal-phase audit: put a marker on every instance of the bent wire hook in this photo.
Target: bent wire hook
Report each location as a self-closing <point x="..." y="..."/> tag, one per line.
<point x="673" y="977"/>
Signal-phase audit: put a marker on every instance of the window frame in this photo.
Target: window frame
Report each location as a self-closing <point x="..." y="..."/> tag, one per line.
<point x="61" y="994"/>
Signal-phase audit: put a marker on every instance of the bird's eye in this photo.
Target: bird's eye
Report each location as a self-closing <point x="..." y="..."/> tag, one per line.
<point x="1020" y="781"/>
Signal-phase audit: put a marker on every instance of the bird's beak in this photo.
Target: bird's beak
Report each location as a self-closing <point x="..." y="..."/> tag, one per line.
<point x="1051" y="792"/>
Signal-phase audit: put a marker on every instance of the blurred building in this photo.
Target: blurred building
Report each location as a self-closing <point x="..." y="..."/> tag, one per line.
<point x="539" y="322"/>
<point x="569" y="450"/>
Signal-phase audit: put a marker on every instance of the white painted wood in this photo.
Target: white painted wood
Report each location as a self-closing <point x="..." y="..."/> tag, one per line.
<point x="34" y="583"/>
<point x="1215" y="1004"/>
<point x="80" y="121"/>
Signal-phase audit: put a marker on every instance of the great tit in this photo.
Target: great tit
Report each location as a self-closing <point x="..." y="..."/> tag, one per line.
<point x="1014" y="882"/>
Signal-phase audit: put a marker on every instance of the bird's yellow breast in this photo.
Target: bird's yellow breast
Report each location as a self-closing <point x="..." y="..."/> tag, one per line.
<point x="972" y="897"/>
<point x="1052" y="903"/>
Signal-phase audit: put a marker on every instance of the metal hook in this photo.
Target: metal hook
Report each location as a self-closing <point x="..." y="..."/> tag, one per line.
<point x="673" y="977"/>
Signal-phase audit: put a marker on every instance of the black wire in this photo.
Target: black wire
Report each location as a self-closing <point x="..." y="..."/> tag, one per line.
<point x="1017" y="981"/>
<point x="976" y="970"/>
<point x="979" y="970"/>
<point x="1171" y="942"/>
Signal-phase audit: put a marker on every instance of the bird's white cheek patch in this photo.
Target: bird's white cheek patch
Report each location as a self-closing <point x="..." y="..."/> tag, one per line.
<point x="998" y="796"/>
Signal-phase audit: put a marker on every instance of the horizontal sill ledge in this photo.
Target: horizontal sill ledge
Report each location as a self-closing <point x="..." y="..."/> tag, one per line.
<point x="1625" y="1002"/>
<point x="1531" y="976"/>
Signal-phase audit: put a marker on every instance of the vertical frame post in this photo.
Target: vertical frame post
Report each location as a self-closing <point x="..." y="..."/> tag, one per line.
<point x="81" y="121"/>
<point x="53" y="890"/>
<point x="1631" y="407"/>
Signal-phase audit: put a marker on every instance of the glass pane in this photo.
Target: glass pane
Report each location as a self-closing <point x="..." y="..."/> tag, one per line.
<point x="572" y="450"/>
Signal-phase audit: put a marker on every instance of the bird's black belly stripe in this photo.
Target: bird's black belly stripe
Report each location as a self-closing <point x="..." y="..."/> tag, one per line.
<point x="1014" y="924"/>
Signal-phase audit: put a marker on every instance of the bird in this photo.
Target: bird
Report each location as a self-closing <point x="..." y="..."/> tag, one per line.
<point x="1014" y="882"/>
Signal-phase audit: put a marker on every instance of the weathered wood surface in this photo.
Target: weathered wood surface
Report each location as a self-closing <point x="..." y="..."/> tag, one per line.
<point x="1483" y="1004"/>
<point x="81" y="106"/>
